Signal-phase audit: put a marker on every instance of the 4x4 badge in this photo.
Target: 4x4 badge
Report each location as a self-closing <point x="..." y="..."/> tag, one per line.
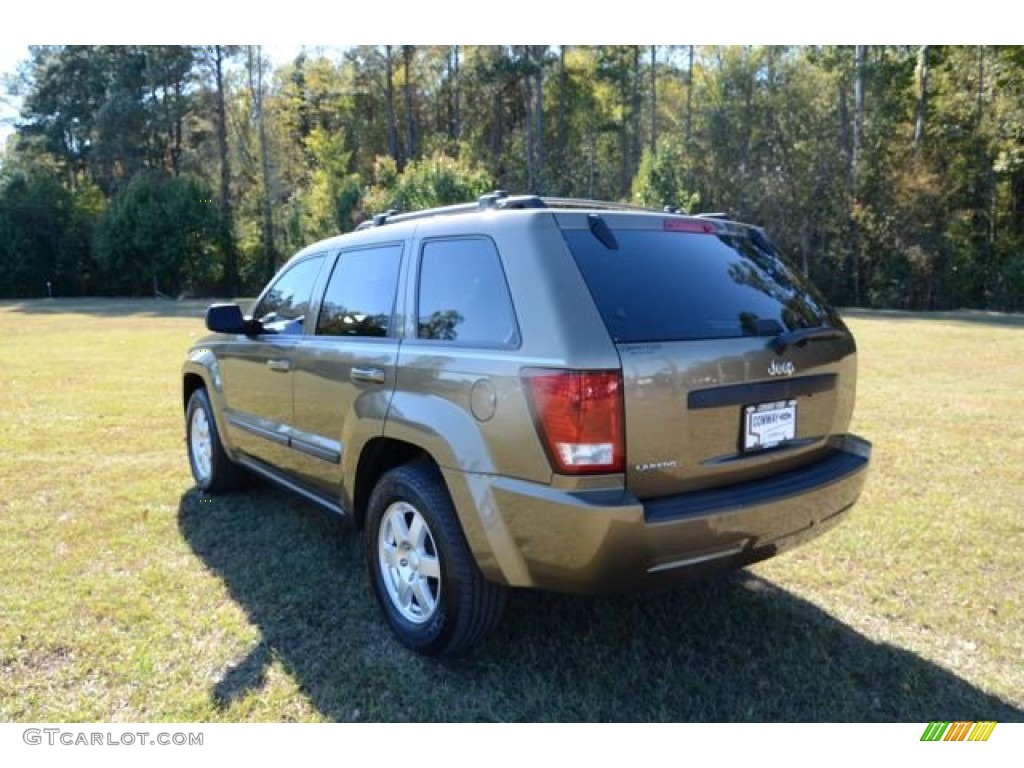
<point x="781" y="368"/>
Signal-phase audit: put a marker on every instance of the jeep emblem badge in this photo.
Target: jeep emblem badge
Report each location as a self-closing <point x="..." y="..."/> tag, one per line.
<point x="781" y="368"/>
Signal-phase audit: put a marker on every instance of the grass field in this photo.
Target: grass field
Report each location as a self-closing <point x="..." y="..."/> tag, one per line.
<point x="125" y="596"/>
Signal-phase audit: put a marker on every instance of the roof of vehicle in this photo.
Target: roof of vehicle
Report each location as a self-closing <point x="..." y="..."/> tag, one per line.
<point x="499" y="200"/>
<point x="502" y="200"/>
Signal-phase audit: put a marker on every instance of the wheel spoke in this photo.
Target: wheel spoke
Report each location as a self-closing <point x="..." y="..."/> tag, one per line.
<point x="424" y="597"/>
<point x="390" y="554"/>
<point x="405" y="593"/>
<point x="399" y="529"/>
<point x="417" y="532"/>
<point x="430" y="566"/>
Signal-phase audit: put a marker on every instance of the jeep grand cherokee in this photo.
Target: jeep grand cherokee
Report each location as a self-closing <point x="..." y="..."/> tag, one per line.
<point x="528" y="392"/>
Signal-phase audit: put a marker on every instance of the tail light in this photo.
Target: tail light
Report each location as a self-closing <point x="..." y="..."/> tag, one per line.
<point x="579" y="417"/>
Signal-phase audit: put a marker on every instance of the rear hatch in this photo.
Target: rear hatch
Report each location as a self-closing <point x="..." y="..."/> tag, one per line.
<point x="734" y="367"/>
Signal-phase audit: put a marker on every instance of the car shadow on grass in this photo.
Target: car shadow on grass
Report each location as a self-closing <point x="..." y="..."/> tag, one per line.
<point x="738" y="648"/>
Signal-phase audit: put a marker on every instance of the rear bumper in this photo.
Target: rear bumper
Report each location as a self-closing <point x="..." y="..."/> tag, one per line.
<point x="532" y="535"/>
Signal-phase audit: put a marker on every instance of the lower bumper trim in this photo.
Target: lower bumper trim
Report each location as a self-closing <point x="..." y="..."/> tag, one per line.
<point x="692" y="561"/>
<point x="835" y="468"/>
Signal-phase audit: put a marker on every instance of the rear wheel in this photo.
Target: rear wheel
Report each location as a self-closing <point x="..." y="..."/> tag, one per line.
<point x="423" y="575"/>
<point x="213" y="471"/>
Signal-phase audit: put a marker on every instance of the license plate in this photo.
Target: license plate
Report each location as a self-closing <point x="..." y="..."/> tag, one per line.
<point x="768" y="424"/>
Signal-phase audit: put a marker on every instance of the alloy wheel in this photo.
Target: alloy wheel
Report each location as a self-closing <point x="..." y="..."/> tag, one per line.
<point x="408" y="561"/>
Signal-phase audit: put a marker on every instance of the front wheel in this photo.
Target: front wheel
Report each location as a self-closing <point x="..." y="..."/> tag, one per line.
<point x="213" y="470"/>
<point x="423" y="575"/>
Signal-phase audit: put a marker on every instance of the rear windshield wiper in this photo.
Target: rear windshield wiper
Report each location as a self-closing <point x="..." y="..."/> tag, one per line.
<point x="802" y="336"/>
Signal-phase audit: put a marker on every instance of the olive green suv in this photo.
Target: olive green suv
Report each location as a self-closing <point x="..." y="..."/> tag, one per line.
<point x="535" y="392"/>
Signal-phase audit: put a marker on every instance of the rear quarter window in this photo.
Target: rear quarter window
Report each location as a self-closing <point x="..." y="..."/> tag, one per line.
<point x="463" y="296"/>
<point x="669" y="285"/>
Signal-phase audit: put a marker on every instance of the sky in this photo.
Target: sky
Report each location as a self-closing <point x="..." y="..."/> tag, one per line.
<point x="575" y="22"/>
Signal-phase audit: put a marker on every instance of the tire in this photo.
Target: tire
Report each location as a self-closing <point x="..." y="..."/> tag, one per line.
<point x="213" y="471"/>
<point x="421" y="569"/>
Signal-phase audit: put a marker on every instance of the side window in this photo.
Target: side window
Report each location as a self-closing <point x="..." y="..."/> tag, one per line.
<point x="463" y="296"/>
<point x="360" y="297"/>
<point x="284" y="307"/>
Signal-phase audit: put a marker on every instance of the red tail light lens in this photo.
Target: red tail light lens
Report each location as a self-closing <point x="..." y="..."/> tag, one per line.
<point x="579" y="416"/>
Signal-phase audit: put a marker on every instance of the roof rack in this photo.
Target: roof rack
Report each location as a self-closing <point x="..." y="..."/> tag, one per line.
<point x="394" y="215"/>
<point x="498" y="199"/>
<point x="501" y="200"/>
<point x="572" y="202"/>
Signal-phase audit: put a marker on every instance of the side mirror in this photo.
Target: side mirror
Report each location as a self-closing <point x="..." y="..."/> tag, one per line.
<point x="226" y="318"/>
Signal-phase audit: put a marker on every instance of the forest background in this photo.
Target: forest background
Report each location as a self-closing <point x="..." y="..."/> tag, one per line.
<point x="892" y="175"/>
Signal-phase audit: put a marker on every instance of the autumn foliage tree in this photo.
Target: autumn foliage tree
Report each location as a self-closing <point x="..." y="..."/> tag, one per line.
<point x="893" y="175"/>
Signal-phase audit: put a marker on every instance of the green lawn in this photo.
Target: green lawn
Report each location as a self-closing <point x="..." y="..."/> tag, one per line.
<point x="126" y="596"/>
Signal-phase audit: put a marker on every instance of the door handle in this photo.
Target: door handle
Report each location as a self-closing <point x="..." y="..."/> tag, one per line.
<point x="279" y="365"/>
<point x="368" y="375"/>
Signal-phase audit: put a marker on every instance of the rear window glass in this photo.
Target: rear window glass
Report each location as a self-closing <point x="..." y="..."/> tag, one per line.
<point x="360" y="296"/>
<point x="664" y="285"/>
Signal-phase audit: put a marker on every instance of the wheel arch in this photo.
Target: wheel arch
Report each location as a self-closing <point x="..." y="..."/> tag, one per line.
<point x="191" y="381"/>
<point x="379" y="456"/>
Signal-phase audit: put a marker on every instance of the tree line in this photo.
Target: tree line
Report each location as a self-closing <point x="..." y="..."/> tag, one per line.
<point x="892" y="175"/>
